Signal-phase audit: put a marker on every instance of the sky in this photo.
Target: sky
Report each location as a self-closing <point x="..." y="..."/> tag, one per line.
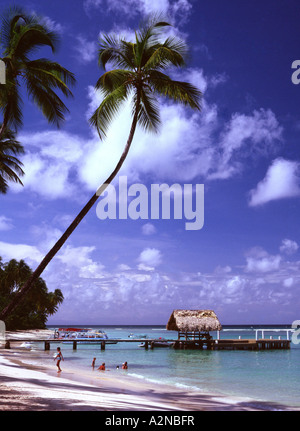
<point x="244" y="263"/>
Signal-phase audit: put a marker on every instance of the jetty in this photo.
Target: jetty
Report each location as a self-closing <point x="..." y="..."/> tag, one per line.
<point x="190" y="343"/>
<point x="193" y="333"/>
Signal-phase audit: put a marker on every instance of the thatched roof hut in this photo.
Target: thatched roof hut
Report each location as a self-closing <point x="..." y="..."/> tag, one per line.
<point x="193" y="321"/>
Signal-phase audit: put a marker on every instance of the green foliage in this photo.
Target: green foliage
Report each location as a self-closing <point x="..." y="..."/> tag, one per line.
<point x="10" y="166"/>
<point x="21" y="35"/>
<point x="138" y="72"/>
<point x="38" y="304"/>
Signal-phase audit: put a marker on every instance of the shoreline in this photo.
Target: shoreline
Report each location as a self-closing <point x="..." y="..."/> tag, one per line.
<point x="26" y="385"/>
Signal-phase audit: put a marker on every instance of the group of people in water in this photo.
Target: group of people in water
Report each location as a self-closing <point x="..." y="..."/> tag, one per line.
<point x="59" y="357"/>
<point x="102" y="366"/>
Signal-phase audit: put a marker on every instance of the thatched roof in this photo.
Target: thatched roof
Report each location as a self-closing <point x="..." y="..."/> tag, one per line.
<point x="193" y="320"/>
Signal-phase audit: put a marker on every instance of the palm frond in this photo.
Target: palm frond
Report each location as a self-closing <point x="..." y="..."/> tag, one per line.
<point x="178" y="91"/>
<point x="51" y="74"/>
<point x="171" y="53"/>
<point x="10" y="165"/>
<point x="28" y="39"/>
<point x="107" y="110"/>
<point x="115" y="50"/>
<point x="10" y="103"/>
<point x="46" y="99"/>
<point x="149" y="117"/>
<point x="146" y="36"/>
<point x="113" y="79"/>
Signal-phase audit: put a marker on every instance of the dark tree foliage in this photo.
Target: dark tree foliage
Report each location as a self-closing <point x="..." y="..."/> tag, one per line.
<point x="38" y="304"/>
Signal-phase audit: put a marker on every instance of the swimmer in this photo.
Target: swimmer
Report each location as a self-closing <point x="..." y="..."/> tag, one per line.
<point x="102" y="367"/>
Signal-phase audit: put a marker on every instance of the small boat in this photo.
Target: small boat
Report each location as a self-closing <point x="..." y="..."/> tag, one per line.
<point x="137" y="336"/>
<point x="64" y="333"/>
<point x="81" y="335"/>
<point x="160" y="342"/>
<point x="27" y="345"/>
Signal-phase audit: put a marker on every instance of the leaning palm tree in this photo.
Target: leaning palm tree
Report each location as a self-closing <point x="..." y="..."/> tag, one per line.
<point x="140" y="76"/>
<point x="10" y="165"/>
<point x="21" y="35"/>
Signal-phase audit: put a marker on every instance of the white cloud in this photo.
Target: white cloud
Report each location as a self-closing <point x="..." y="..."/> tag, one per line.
<point x="48" y="164"/>
<point x="282" y="180"/>
<point x="252" y="134"/>
<point x="86" y="50"/>
<point x="258" y="260"/>
<point x="288" y="282"/>
<point x="151" y="257"/>
<point x="5" y="223"/>
<point x="189" y="145"/>
<point x="20" y="251"/>
<point x="148" y="229"/>
<point x="173" y="9"/>
<point x="288" y="246"/>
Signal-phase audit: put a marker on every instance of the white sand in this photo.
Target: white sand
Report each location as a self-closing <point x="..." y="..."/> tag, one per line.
<point x="24" y="386"/>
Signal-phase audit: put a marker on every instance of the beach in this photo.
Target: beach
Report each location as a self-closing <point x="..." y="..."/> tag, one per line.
<point x="26" y="386"/>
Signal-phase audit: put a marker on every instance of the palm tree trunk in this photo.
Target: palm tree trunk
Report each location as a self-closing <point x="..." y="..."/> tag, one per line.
<point x="25" y="288"/>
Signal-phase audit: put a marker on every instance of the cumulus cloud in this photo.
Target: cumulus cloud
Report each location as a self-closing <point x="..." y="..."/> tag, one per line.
<point x="151" y="257"/>
<point x="288" y="246"/>
<point x="89" y="288"/>
<point x="189" y="145"/>
<point x="29" y="253"/>
<point x="282" y="180"/>
<point x="258" y="260"/>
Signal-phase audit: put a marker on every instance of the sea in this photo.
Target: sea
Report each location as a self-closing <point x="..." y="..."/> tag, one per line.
<point x="267" y="378"/>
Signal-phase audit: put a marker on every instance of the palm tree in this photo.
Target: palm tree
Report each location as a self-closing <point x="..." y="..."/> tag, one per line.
<point x="38" y="304"/>
<point x="142" y="78"/>
<point x="21" y="35"/>
<point x="10" y="166"/>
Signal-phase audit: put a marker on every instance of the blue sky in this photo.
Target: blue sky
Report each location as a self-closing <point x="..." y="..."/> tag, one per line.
<point x="244" y="147"/>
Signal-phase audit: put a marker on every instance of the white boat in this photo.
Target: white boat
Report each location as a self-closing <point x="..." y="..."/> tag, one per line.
<point x="81" y="335"/>
<point x="27" y="345"/>
<point x="159" y="342"/>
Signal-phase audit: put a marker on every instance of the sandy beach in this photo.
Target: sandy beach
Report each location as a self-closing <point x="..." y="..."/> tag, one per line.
<point x="28" y="387"/>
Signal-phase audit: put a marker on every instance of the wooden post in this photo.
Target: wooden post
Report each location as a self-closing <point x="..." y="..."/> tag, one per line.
<point x="152" y="345"/>
<point x="47" y="345"/>
<point x="74" y="345"/>
<point x="102" y="345"/>
<point x="146" y="345"/>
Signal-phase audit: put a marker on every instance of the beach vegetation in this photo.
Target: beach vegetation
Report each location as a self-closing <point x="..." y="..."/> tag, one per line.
<point x="38" y="304"/>
<point x="137" y="73"/>
<point x="21" y="35"/>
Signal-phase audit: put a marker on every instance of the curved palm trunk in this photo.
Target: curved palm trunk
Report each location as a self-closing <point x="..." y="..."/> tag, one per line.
<point x="24" y="289"/>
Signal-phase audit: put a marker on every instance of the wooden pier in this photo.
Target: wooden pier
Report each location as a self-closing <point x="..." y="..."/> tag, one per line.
<point x="179" y="344"/>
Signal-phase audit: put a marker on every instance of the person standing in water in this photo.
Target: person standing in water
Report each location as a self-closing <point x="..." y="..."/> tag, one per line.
<point x="58" y="357"/>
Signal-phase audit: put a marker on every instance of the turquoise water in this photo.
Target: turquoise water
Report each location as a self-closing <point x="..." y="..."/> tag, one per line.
<point x="261" y="376"/>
